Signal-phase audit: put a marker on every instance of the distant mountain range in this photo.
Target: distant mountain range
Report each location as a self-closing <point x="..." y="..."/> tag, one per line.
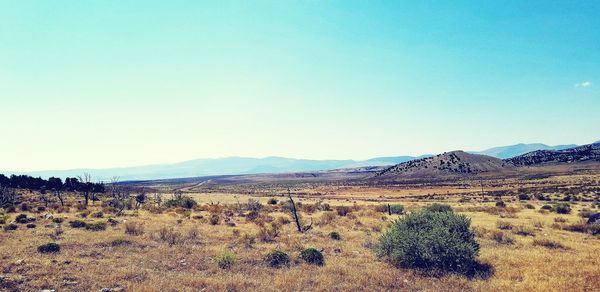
<point x="504" y="152"/>
<point x="244" y="165"/>
<point x="219" y="166"/>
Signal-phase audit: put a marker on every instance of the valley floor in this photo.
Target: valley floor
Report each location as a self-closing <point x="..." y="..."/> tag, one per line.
<point x="177" y="250"/>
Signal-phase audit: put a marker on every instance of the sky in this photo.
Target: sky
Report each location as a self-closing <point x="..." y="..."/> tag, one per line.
<point x="117" y="83"/>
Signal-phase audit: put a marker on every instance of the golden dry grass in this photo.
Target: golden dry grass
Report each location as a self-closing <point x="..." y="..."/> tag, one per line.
<point x="91" y="260"/>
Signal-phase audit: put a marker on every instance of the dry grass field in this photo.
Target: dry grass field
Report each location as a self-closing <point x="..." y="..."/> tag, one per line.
<point x="221" y="245"/>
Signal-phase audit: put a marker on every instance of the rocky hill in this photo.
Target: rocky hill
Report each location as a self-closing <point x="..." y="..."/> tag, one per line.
<point x="583" y="153"/>
<point x="447" y="164"/>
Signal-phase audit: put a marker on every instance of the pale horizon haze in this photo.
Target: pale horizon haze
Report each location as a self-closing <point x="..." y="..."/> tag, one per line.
<point x="101" y="84"/>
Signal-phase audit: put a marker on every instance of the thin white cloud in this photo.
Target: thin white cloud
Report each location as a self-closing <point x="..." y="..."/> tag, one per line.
<point x="583" y="84"/>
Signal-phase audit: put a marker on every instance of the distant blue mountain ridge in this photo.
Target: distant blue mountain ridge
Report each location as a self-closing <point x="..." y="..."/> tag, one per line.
<point x="272" y="164"/>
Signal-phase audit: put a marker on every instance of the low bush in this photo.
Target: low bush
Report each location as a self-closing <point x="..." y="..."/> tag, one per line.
<point x="523" y="230"/>
<point x="440" y="208"/>
<point x="335" y="235"/>
<point x="530" y="206"/>
<point x="326" y="218"/>
<point x="215" y="219"/>
<point x="436" y="242"/>
<point x="134" y="228"/>
<point x="312" y="256"/>
<point x="58" y="220"/>
<point x="183" y="202"/>
<point x="269" y="231"/>
<point x="547" y="243"/>
<point x="504" y="225"/>
<point x="277" y="259"/>
<point x="501" y="237"/>
<point x="546" y="207"/>
<point x="272" y="201"/>
<point x="562" y="208"/>
<point x="77" y="224"/>
<point x="169" y="235"/>
<point x="96" y="226"/>
<point x="524" y="197"/>
<point x="121" y="242"/>
<point x="343" y="210"/>
<point x="11" y="227"/>
<point x="23" y="219"/>
<point x="49" y="248"/>
<point x="30" y="225"/>
<point x="500" y="204"/>
<point x="225" y="260"/>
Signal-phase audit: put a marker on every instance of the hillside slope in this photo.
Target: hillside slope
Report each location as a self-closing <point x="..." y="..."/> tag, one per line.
<point x="583" y="153"/>
<point x="455" y="163"/>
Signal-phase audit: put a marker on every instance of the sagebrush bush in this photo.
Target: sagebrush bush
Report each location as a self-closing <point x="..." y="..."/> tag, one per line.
<point x="134" y="228"/>
<point x="335" y="235"/>
<point x="183" y="202"/>
<point x="435" y="207"/>
<point x="121" y="242"/>
<point x="430" y="241"/>
<point x="277" y="259"/>
<point x="504" y="225"/>
<point x="10" y="227"/>
<point x="547" y="243"/>
<point x="225" y="260"/>
<point x="96" y="226"/>
<point x="562" y="208"/>
<point x="312" y="256"/>
<point x="272" y="201"/>
<point x="77" y="224"/>
<point x="501" y="237"/>
<point x="343" y="210"/>
<point x="49" y="248"/>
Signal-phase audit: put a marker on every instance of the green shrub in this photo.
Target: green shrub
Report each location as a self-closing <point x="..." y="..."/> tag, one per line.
<point x="342" y="210"/>
<point x="395" y="209"/>
<point x="547" y="207"/>
<point x="277" y="259"/>
<point x="77" y="224"/>
<point x="312" y="256"/>
<point x="97" y="226"/>
<point x="58" y="220"/>
<point x="21" y="219"/>
<point x="183" y="202"/>
<point x="335" y="235"/>
<point x="504" y="225"/>
<point x="30" y="225"/>
<point x="431" y="241"/>
<point x="49" y="248"/>
<point x="121" y="242"/>
<point x="500" y="204"/>
<point x="563" y="208"/>
<point x="11" y="227"/>
<point x="547" y="243"/>
<point x="272" y="201"/>
<point x="524" y="197"/>
<point x="225" y="260"/>
<point x="435" y="207"/>
<point x="530" y="206"/>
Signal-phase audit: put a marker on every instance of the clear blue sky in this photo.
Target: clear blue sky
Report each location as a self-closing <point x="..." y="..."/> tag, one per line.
<point x="121" y="83"/>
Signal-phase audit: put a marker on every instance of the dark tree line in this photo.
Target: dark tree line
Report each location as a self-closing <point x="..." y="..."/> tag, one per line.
<point x="54" y="185"/>
<point x="51" y="184"/>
